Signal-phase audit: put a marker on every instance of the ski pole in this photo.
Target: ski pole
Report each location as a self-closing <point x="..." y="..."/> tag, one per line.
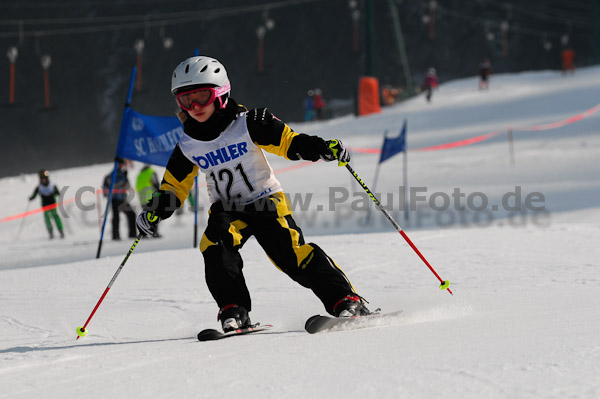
<point x="81" y="331"/>
<point x="18" y="235"/>
<point x="443" y="283"/>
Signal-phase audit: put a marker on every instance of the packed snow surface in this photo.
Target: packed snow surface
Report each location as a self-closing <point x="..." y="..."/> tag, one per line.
<point x="522" y="323"/>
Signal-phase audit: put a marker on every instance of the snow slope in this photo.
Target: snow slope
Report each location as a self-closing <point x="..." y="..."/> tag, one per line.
<point x="522" y="323"/>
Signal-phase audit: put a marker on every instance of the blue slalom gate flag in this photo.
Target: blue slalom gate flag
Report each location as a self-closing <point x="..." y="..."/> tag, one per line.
<point x="148" y="139"/>
<point x="393" y="145"/>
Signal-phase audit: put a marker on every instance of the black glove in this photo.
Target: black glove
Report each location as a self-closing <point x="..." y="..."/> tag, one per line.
<point x="336" y="150"/>
<point x="147" y="222"/>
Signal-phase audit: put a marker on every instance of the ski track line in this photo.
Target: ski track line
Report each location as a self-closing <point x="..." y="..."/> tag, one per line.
<point x="23" y="326"/>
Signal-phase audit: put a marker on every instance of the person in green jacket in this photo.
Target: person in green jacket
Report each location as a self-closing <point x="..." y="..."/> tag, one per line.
<point x="146" y="185"/>
<point x="48" y="193"/>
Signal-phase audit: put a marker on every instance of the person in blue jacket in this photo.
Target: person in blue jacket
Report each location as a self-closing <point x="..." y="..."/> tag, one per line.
<point x="120" y="200"/>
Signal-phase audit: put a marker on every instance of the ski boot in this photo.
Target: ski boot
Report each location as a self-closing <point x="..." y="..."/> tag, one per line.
<point x="350" y="306"/>
<point x="233" y="317"/>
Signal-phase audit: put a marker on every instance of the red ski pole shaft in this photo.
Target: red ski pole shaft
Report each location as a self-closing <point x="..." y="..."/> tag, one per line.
<point x="443" y="283"/>
<point x="135" y="243"/>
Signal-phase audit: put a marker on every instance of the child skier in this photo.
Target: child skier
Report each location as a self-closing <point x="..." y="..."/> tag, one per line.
<point x="48" y="193"/>
<point x="226" y="141"/>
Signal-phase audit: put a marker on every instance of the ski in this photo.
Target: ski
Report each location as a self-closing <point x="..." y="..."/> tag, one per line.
<point x="318" y="323"/>
<point x="211" y="334"/>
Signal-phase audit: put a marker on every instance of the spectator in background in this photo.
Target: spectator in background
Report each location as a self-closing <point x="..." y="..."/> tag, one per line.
<point x="146" y="185"/>
<point x="389" y="94"/>
<point x="319" y="104"/>
<point x="430" y="83"/>
<point x="484" y="71"/>
<point x="568" y="57"/>
<point x="309" y="106"/>
<point x="48" y="193"/>
<point x="119" y="201"/>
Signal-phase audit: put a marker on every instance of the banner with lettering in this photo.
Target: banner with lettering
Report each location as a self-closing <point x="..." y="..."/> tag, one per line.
<point x="148" y="139"/>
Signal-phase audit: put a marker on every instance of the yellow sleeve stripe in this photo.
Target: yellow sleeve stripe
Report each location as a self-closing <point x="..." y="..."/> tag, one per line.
<point x="205" y="243"/>
<point x="284" y="145"/>
<point x="180" y="188"/>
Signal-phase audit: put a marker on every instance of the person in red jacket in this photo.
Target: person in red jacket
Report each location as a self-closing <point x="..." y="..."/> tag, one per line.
<point x="568" y="58"/>
<point x="319" y="104"/>
<point x="429" y="83"/>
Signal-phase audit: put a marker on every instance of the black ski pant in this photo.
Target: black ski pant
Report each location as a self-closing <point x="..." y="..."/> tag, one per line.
<point x="270" y="221"/>
<point x="120" y="205"/>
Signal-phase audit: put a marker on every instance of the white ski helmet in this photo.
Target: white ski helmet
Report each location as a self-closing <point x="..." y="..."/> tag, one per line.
<point x="199" y="70"/>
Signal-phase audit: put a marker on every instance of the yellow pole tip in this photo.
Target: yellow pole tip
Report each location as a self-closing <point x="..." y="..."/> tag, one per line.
<point x="81" y="331"/>
<point x="444" y="285"/>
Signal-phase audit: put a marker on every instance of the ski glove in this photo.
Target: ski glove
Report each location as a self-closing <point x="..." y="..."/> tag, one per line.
<point x="336" y="150"/>
<point x="147" y="222"/>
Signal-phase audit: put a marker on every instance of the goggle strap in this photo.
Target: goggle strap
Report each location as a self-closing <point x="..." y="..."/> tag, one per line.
<point x="219" y="91"/>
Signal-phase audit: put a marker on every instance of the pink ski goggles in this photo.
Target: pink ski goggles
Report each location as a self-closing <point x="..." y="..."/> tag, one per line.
<point x="202" y="97"/>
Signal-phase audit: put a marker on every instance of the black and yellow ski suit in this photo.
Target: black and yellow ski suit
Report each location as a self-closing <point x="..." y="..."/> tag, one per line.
<point x="247" y="201"/>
